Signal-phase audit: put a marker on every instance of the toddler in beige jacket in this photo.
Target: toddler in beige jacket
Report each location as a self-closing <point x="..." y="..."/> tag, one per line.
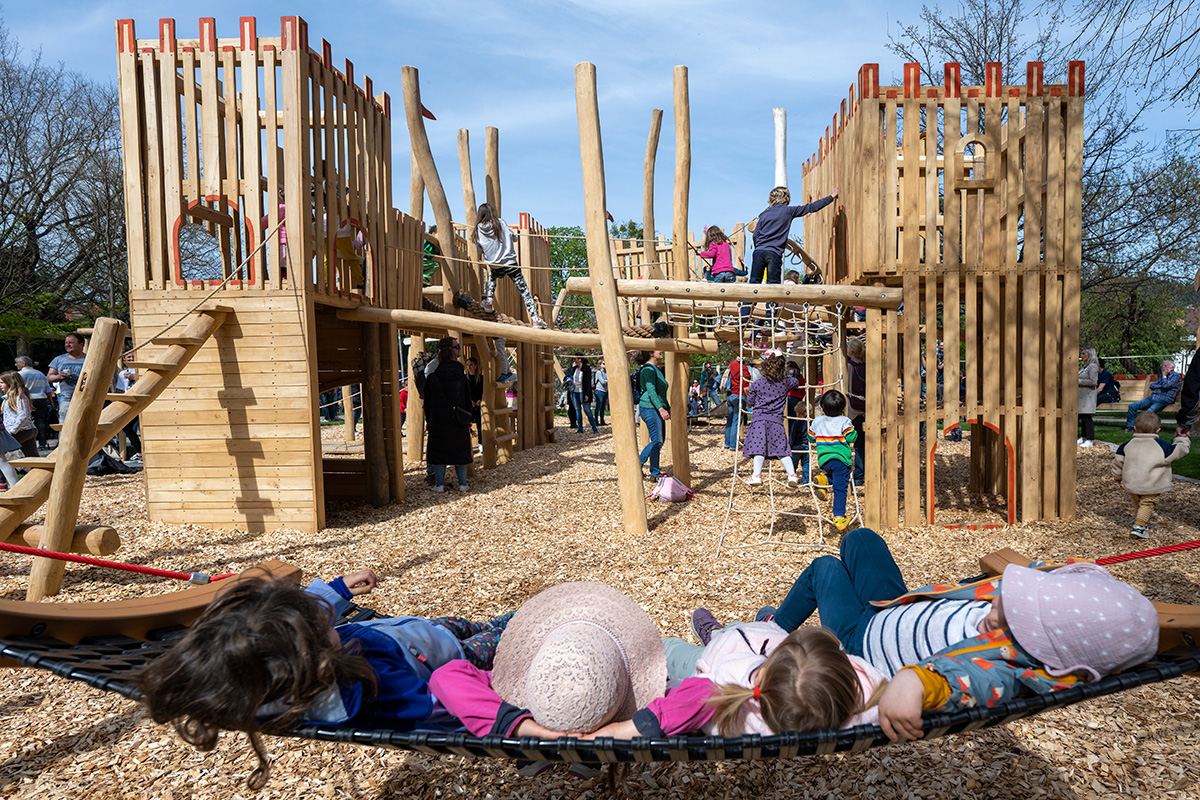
<point x="1143" y="468"/>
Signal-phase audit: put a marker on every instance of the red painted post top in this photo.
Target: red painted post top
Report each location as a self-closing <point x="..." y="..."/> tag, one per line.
<point x="249" y="34"/>
<point x="993" y="79"/>
<point x="1034" y="77"/>
<point x="166" y="36"/>
<point x="126" y="40"/>
<point x="953" y="79"/>
<point x="912" y="80"/>
<point x="868" y="82"/>
<point x="208" y="35"/>
<point x="293" y="33"/>
<point x="1075" y="79"/>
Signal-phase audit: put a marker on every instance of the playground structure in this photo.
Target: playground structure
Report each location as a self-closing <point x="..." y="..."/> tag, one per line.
<point x="969" y="200"/>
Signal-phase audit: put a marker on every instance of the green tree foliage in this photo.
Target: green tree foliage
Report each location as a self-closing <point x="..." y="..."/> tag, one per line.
<point x="569" y="259"/>
<point x="626" y="230"/>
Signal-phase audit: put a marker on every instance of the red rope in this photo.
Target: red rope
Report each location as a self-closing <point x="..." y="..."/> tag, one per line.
<point x="1158" y="551"/>
<point x="99" y="562"/>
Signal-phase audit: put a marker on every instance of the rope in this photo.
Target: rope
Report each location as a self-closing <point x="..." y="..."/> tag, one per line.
<point x="270" y="235"/>
<point x="190" y="577"/>
<point x="1157" y="551"/>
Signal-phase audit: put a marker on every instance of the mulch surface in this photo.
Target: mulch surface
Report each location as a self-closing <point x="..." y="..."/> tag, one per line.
<point x="553" y="515"/>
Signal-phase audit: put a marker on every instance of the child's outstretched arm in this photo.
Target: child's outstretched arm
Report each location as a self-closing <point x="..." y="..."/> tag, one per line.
<point x="361" y="582"/>
<point x="901" y="706"/>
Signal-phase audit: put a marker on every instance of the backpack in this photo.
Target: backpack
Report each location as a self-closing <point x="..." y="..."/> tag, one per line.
<point x="670" y="490"/>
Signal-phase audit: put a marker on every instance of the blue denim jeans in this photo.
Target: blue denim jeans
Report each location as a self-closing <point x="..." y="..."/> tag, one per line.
<point x="439" y="474"/>
<point x="725" y="277"/>
<point x="577" y="404"/>
<point x="654" y="424"/>
<point x="1135" y="408"/>
<point x="841" y="589"/>
<point x="839" y="480"/>
<point x="601" y="405"/>
<point x="731" y="421"/>
<point x="763" y="263"/>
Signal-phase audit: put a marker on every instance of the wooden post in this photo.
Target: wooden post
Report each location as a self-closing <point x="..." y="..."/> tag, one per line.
<point x="416" y="192"/>
<point x="649" y="252"/>
<point x="415" y="420"/>
<point x="349" y="427"/>
<point x="433" y="184"/>
<point x="678" y="363"/>
<point x="73" y="453"/>
<point x="491" y="167"/>
<point x="471" y="276"/>
<point x="608" y="318"/>
<point x="372" y="401"/>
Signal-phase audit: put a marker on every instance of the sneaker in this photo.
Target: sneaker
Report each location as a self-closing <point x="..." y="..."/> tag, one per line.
<point x="540" y="323"/>
<point x="822" y="487"/>
<point x="765" y="614"/>
<point x="462" y="487"/>
<point x="841" y="522"/>
<point x="793" y="481"/>
<point x="754" y="480"/>
<point x="704" y="624"/>
<point x="487" y="304"/>
<point x="3" y="487"/>
<point x="1140" y="532"/>
<point x="507" y="377"/>
<point x="437" y="488"/>
<point x="1085" y="444"/>
<point x="1079" y="440"/>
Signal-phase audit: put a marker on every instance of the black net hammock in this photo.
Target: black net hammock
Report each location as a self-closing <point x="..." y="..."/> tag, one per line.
<point x="109" y="663"/>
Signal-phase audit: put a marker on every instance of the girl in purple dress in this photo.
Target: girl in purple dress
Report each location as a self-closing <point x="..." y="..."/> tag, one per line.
<point x="766" y="436"/>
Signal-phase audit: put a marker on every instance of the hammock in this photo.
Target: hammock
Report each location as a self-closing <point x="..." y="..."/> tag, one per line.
<point x="109" y="663"/>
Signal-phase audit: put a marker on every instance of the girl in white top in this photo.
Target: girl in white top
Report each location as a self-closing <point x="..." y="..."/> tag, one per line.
<point x="497" y="247"/>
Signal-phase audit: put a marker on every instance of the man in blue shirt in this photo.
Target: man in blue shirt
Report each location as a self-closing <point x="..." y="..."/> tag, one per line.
<point x="1163" y="392"/>
<point x="64" y="372"/>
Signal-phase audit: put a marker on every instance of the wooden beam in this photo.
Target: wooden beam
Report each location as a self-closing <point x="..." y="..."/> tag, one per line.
<point x="95" y="540"/>
<point x="867" y="296"/>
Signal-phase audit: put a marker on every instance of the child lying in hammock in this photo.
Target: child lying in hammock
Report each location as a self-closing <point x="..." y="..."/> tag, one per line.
<point x="951" y="646"/>
<point x="584" y="660"/>
<point x="264" y="658"/>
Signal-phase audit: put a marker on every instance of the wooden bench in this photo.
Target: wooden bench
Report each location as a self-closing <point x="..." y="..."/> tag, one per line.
<point x="1135" y="387"/>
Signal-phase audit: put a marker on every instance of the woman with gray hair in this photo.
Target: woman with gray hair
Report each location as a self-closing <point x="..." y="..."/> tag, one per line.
<point x="1089" y="376"/>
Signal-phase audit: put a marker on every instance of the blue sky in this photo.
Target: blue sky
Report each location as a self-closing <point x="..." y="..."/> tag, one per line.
<point x="511" y="65"/>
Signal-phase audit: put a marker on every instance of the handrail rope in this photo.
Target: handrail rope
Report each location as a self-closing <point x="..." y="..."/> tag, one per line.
<point x="270" y="235"/>
<point x="191" y="577"/>
<point x="468" y="261"/>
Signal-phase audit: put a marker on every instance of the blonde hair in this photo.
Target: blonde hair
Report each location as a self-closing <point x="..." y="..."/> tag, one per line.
<point x="856" y="348"/>
<point x="1090" y="356"/>
<point x="808" y="683"/>
<point x="780" y="196"/>
<point x="1145" y="422"/>
<point x="15" y="390"/>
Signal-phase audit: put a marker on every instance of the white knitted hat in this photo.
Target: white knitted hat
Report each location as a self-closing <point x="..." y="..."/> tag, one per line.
<point x="580" y="655"/>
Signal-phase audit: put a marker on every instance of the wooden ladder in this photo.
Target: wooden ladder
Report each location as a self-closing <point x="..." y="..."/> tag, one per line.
<point x="60" y="475"/>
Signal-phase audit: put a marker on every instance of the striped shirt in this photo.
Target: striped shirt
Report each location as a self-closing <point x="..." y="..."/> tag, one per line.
<point x="905" y="634"/>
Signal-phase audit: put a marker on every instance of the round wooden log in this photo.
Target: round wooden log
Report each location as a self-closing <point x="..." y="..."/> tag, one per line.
<point x="416" y="193"/>
<point x="469" y="210"/>
<point x="423" y="155"/>
<point x="650" y="252"/>
<point x="374" y="447"/>
<point x="818" y="294"/>
<point x="678" y="364"/>
<point x="608" y="316"/>
<point x="430" y="320"/>
<point x="349" y="426"/>
<point x="414" y="420"/>
<point x="491" y="167"/>
<point x="72" y="455"/>
<point x="93" y="540"/>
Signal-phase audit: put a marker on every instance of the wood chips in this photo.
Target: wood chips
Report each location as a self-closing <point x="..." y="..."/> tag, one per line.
<point x="553" y="515"/>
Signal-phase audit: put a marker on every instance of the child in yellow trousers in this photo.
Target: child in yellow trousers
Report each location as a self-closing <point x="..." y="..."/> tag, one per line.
<point x="1143" y="467"/>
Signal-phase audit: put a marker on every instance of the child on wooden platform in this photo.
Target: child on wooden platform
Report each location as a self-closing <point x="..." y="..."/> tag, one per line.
<point x="498" y="249"/>
<point x="718" y="249"/>
<point x="264" y="658"/>
<point x="832" y="434"/>
<point x="766" y="436"/>
<point x="951" y="646"/>
<point x="1143" y="467"/>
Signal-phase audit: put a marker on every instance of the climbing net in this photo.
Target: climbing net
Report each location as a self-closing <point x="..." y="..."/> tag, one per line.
<point x="803" y="333"/>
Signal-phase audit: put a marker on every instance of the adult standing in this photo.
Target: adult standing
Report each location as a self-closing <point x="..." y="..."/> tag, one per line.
<point x="448" y="415"/>
<point x="39" y="394"/>
<point x="475" y="379"/>
<point x="739" y="382"/>
<point x="18" y="412"/>
<point x="653" y="406"/>
<point x="1089" y="378"/>
<point x="1189" y="398"/>
<point x="600" y="391"/>
<point x="581" y="392"/>
<point x="856" y="400"/>
<point x="1163" y="392"/>
<point x="771" y="234"/>
<point x="708" y="384"/>
<point x="64" y="372"/>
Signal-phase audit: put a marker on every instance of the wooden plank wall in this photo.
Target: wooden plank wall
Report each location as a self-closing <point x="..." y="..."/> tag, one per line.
<point x="970" y="199"/>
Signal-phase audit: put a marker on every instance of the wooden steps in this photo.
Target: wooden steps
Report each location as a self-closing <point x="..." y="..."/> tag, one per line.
<point x="13" y="499"/>
<point x="126" y="397"/>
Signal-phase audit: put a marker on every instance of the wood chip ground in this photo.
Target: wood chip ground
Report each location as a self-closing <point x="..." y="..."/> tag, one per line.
<point x="553" y="515"/>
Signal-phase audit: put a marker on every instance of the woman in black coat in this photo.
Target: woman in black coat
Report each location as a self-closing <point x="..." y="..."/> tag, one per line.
<point x="448" y="415"/>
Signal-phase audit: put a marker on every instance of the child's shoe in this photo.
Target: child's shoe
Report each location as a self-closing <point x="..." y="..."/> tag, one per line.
<point x="487" y="304"/>
<point x="1140" y="532"/>
<point x="793" y="481"/>
<point x="506" y="377"/>
<point x="765" y="614"/>
<point x="3" y="487"/>
<point x="841" y="523"/>
<point x="822" y="482"/>
<point x="437" y="488"/>
<point x="462" y="487"/>
<point x="1085" y="443"/>
<point x="704" y="624"/>
<point x="754" y="480"/>
<point x="540" y="324"/>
